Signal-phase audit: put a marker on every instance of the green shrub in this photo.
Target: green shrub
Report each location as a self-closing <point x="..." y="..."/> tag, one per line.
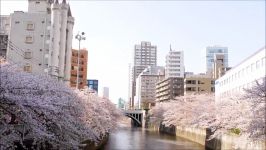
<point x="236" y="131"/>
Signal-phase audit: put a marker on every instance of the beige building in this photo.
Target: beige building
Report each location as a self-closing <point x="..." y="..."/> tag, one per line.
<point x="219" y="68"/>
<point x="169" y="88"/>
<point x="146" y="87"/>
<point x="198" y="84"/>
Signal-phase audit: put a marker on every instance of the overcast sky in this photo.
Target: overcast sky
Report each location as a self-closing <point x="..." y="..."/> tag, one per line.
<point x="113" y="27"/>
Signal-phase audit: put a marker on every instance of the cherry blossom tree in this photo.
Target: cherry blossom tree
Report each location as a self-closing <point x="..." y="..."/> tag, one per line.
<point x="41" y="112"/>
<point x="191" y="110"/>
<point x="244" y="113"/>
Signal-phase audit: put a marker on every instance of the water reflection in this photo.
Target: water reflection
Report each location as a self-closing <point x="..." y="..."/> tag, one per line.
<point x="126" y="138"/>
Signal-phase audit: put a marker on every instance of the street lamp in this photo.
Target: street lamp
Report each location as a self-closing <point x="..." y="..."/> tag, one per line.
<point x="79" y="38"/>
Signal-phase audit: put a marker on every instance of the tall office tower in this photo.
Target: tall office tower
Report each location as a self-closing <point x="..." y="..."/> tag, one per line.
<point x="83" y="60"/>
<point x="174" y="64"/>
<point x="40" y="40"/>
<point x="145" y="55"/>
<point x="211" y="51"/>
<point x="106" y="92"/>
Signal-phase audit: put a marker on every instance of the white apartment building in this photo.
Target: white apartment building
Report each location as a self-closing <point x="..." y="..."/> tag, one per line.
<point x="174" y="64"/>
<point x="146" y="86"/>
<point x="211" y="51"/>
<point x="243" y="75"/>
<point x="40" y="40"/>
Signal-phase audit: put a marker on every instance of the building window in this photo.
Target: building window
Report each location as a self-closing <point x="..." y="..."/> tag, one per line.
<point x="29" y="39"/>
<point x="17" y="22"/>
<point x="191" y="82"/>
<point x="37" y="2"/>
<point x="191" y="89"/>
<point x="27" y="68"/>
<point x="27" y="55"/>
<point x="30" y="26"/>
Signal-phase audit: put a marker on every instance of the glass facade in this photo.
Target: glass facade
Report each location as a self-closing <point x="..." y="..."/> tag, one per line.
<point x="210" y="53"/>
<point x="93" y="84"/>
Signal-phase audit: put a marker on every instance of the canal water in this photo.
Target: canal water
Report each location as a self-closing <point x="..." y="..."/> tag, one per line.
<point x="127" y="138"/>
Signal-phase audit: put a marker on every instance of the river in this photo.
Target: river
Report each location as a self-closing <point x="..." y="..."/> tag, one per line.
<point x="127" y="138"/>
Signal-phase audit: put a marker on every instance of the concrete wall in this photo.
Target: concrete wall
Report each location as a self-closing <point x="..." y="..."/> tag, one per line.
<point x="194" y="134"/>
<point x="201" y="136"/>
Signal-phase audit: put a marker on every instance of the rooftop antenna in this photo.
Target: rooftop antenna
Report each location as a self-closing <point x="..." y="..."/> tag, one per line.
<point x="170" y="48"/>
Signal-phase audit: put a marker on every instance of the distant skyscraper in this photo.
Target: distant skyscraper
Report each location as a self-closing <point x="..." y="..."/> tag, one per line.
<point x="106" y="92"/>
<point x="210" y="54"/>
<point x="174" y="64"/>
<point x="121" y="103"/>
<point x="145" y="55"/>
<point x="93" y="84"/>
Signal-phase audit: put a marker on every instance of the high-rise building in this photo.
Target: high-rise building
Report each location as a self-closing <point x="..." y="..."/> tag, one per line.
<point x="40" y="40"/>
<point x="242" y="76"/>
<point x="93" y="84"/>
<point x="145" y="55"/>
<point x="174" y="64"/>
<point x="83" y="59"/>
<point x="146" y="86"/>
<point x="106" y="92"/>
<point x="211" y="51"/>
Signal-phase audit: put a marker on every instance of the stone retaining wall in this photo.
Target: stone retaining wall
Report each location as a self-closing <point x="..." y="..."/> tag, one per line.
<point x="201" y="136"/>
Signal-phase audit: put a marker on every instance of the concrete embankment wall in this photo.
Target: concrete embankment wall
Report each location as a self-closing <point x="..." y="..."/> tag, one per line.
<point x="201" y="136"/>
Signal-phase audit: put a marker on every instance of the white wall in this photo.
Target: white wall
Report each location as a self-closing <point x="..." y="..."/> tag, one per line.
<point x="241" y="76"/>
<point x="39" y="46"/>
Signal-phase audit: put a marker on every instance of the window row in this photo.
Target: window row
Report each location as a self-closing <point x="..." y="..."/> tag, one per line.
<point x="244" y="71"/>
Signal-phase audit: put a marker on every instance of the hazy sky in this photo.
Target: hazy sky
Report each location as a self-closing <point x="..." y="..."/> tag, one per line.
<point x="113" y="27"/>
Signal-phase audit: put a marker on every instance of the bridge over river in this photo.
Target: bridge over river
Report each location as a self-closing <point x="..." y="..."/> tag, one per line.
<point x="138" y="117"/>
